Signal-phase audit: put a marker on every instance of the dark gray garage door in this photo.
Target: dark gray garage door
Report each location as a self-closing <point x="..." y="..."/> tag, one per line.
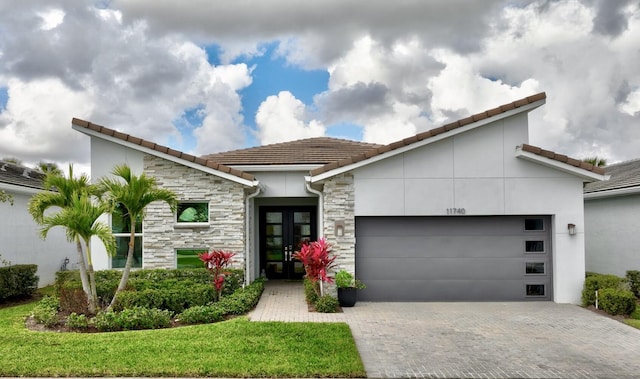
<point x="454" y="258"/>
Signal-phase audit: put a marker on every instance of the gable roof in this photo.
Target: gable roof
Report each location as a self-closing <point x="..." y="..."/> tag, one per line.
<point x="624" y="179"/>
<point x="163" y="151"/>
<point x="311" y="151"/>
<point x="18" y="175"/>
<point x="478" y="119"/>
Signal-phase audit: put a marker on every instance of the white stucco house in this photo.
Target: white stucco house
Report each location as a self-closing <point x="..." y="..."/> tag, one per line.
<point x="20" y="241"/>
<point x="466" y="211"/>
<point x="612" y="217"/>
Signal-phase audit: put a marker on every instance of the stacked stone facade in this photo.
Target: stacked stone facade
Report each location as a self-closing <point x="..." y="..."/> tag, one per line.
<point x="226" y="227"/>
<point x="339" y="208"/>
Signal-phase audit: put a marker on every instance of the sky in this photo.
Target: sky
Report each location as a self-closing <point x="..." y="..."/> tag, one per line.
<point x="205" y="76"/>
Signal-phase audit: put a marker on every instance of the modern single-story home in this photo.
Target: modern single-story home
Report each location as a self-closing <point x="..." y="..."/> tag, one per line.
<point x="612" y="217"/>
<point x="466" y="211"/>
<point x="20" y="235"/>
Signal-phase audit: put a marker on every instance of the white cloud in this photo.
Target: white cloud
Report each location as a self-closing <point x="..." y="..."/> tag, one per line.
<point x="283" y="118"/>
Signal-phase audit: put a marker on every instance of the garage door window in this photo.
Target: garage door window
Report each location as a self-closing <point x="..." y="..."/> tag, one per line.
<point x="535" y="290"/>
<point x="534" y="224"/>
<point x="534" y="247"/>
<point x="534" y="268"/>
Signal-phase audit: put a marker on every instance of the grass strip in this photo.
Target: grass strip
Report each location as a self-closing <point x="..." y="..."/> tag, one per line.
<point x="234" y="348"/>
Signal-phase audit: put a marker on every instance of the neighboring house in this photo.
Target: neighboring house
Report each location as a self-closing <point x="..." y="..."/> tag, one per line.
<point x="20" y="241"/>
<point x="466" y="211"/>
<point x="612" y="220"/>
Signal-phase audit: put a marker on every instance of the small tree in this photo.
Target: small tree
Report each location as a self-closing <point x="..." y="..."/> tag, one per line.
<point x="133" y="193"/>
<point x="216" y="261"/>
<point x="71" y="195"/>
<point x="317" y="259"/>
<point x="596" y="161"/>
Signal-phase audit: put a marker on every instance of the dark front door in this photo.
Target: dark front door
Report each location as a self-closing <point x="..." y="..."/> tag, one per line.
<point x="282" y="231"/>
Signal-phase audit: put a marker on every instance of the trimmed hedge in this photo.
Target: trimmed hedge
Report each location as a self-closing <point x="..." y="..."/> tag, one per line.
<point x="240" y="302"/>
<point x="596" y="282"/>
<point x="132" y="319"/>
<point x="633" y="277"/>
<point x="180" y="280"/>
<point x="18" y="281"/>
<point x="327" y="304"/>
<point x="616" y="301"/>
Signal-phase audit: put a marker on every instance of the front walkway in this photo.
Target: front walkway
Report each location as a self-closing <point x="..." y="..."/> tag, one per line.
<point x="472" y="340"/>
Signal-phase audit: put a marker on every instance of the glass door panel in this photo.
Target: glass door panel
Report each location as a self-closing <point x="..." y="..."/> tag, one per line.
<point x="283" y="230"/>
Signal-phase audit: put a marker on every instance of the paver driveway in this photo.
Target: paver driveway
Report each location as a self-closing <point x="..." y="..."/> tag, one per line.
<point x="474" y="340"/>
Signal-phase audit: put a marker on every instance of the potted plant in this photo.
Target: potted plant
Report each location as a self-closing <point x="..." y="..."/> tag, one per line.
<point x="347" y="286"/>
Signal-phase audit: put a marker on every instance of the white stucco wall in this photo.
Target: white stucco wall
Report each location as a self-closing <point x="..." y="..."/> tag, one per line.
<point x="104" y="157"/>
<point x="479" y="172"/>
<point x="20" y="241"/>
<point x="612" y="234"/>
<point x="282" y="184"/>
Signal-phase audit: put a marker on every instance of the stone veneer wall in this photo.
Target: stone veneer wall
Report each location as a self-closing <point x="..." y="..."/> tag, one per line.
<point x="226" y="215"/>
<point x="339" y="205"/>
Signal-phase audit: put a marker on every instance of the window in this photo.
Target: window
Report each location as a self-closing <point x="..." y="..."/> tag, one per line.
<point x="535" y="290"/>
<point x="193" y="212"/>
<point x="534" y="268"/>
<point x="188" y="258"/>
<point x="533" y="224"/>
<point x="534" y="246"/>
<point x="121" y="229"/>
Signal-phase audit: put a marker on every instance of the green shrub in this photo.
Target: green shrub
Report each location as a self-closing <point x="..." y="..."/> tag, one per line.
<point x="327" y="304"/>
<point x="106" y="321"/>
<point x="240" y="302"/>
<point x="201" y="314"/>
<point x="616" y="301"/>
<point x="18" y="281"/>
<point x="633" y="277"/>
<point x="77" y="321"/>
<point x="310" y="291"/>
<point x="597" y="282"/>
<point x="185" y="281"/>
<point x="144" y="318"/>
<point x="46" y="311"/>
<point x="132" y="319"/>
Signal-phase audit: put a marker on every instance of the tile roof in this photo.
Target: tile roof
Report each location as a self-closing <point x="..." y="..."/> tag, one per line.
<point x="430" y="133"/>
<point x="19" y="175"/>
<point x="622" y="175"/>
<point x="162" y="149"/>
<point x="563" y="158"/>
<point x="320" y="150"/>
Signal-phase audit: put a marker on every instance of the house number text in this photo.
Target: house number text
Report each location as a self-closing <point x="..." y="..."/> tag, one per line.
<point x="456" y="211"/>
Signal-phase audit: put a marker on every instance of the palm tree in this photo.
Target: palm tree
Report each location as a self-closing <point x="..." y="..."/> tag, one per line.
<point x="596" y="161"/>
<point x="66" y="193"/>
<point x="6" y="197"/>
<point x="48" y="167"/>
<point x="133" y="193"/>
<point x="80" y="219"/>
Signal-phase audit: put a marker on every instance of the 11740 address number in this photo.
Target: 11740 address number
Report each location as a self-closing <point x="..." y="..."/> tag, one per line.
<point x="456" y="211"/>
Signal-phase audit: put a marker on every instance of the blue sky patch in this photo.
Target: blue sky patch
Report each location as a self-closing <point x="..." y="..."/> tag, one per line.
<point x="4" y="98"/>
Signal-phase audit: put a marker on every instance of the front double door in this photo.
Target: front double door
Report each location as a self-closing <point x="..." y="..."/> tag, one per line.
<point x="283" y="230"/>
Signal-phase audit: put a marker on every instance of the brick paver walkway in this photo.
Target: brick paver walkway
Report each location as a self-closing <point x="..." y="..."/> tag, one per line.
<point x="472" y="340"/>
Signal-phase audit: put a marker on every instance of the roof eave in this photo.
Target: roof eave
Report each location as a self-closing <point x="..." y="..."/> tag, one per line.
<point x="612" y="193"/>
<point x="16" y="188"/>
<point x="146" y="150"/>
<point x="586" y="175"/>
<point x="436" y="138"/>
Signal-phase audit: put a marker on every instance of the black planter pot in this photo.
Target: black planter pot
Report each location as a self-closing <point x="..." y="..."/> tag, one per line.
<point x="347" y="296"/>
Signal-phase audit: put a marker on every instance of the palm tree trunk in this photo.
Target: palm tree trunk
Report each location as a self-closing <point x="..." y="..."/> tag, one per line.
<point x="128" y="264"/>
<point x="86" y="287"/>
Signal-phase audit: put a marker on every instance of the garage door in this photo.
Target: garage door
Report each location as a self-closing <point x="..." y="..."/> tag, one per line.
<point x="454" y="258"/>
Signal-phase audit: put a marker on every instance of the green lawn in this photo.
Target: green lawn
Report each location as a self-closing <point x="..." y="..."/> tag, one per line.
<point x="235" y="348"/>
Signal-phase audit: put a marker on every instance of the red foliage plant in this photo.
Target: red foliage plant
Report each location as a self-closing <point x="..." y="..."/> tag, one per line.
<point x="317" y="259"/>
<point x="216" y="261"/>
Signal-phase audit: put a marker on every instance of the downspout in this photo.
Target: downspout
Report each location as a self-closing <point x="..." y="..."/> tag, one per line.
<point x="307" y="182"/>
<point x="248" y="240"/>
